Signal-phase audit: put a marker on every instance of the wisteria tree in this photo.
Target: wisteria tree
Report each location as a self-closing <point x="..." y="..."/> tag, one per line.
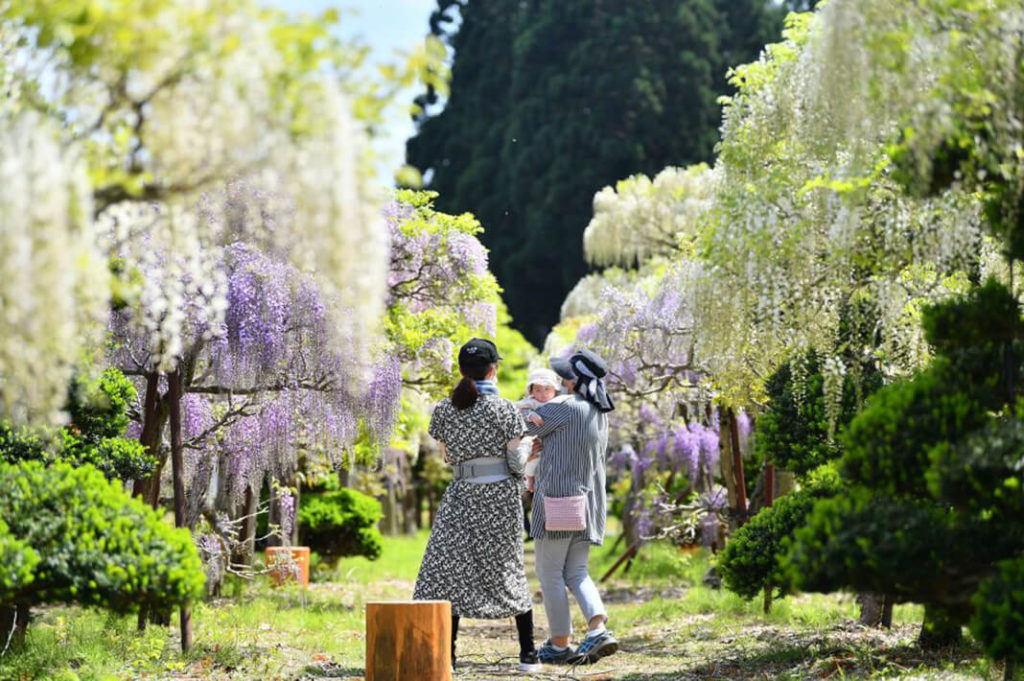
<point x="147" y="141"/>
<point x="664" y="431"/>
<point x="440" y="293"/>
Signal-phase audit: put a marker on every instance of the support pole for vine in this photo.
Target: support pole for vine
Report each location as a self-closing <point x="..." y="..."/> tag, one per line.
<point x="178" y="473"/>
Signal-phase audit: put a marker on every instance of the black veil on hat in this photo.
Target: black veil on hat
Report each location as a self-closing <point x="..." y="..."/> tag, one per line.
<point x="590" y="371"/>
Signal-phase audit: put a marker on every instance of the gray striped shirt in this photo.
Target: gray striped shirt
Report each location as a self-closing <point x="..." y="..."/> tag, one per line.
<point x="575" y="436"/>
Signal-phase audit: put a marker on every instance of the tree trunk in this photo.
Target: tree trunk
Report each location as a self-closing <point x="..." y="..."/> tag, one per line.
<point x="410" y="510"/>
<point x="389" y="523"/>
<point x="246" y="545"/>
<point x="273" y="515"/>
<point x="149" y="423"/>
<point x="887" y="613"/>
<point x="178" y="474"/>
<point x="725" y="460"/>
<point x="13" y="625"/>
<point x="768" y="598"/>
<point x="737" y="468"/>
<point x="294" y="539"/>
<point x="871" y="608"/>
<point x="940" y="629"/>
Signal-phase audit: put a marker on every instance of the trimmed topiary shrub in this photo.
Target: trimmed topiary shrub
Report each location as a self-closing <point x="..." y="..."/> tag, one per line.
<point x="751" y="562"/>
<point x="96" y="545"/>
<point x="341" y="523"/>
<point x="998" y="621"/>
<point x="17" y="564"/>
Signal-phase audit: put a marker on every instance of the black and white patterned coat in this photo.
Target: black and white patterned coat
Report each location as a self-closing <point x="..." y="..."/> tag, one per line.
<point x="474" y="557"/>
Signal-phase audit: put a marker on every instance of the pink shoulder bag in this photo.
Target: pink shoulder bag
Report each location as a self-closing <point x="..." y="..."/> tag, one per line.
<point x="565" y="513"/>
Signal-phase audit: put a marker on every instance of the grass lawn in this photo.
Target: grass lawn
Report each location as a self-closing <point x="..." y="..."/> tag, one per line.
<point x="670" y="626"/>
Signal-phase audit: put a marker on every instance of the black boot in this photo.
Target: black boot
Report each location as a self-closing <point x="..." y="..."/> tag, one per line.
<point x="528" y="660"/>
<point x="455" y="635"/>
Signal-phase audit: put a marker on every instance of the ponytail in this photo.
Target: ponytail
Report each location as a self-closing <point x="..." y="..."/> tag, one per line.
<point x="465" y="393"/>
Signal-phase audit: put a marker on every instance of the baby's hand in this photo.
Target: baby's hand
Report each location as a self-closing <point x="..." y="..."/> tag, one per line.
<point x="535" y="419"/>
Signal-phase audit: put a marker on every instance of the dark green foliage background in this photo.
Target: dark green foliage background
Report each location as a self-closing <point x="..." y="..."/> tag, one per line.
<point x="552" y="100"/>
<point x="793" y="433"/>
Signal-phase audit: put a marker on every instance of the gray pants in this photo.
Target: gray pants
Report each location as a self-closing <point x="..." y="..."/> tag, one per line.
<point x="562" y="563"/>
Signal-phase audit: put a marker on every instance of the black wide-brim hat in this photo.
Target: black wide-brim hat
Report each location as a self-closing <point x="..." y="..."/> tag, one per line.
<point x="592" y="360"/>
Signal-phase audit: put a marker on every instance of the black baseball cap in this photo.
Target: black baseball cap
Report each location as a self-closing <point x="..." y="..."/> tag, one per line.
<point x="478" y="352"/>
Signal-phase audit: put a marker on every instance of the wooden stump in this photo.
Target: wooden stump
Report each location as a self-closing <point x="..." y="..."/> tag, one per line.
<point x="408" y="641"/>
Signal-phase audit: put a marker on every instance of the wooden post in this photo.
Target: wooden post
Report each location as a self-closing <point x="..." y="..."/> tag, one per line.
<point x="178" y="473"/>
<point x="737" y="468"/>
<point x="148" y="425"/>
<point x="769" y="484"/>
<point x="725" y="459"/>
<point x="408" y="641"/>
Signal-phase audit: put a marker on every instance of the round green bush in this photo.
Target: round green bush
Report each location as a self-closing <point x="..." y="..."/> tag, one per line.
<point x="96" y="544"/>
<point x="998" y="621"/>
<point x="341" y="523"/>
<point x="99" y="417"/>
<point x="752" y="559"/>
<point x="887" y="445"/>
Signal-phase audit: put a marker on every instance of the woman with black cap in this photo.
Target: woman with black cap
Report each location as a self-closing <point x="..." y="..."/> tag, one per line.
<point x="569" y="508"/>
<point x="474" y="557"/>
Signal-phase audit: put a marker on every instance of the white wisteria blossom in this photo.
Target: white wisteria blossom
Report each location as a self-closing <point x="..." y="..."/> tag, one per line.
<point x="53" y="280"/>
<point x="640" y="218"/>
<point x="217" y="122"/>
<point x="807" y="226"/>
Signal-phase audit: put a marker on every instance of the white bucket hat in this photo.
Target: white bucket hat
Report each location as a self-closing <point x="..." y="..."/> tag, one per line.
<point x="543" y="377"/>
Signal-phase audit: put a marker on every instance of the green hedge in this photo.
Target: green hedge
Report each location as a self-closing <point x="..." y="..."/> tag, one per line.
<point x="96" y="545"/>
<point x="341" y="523"/>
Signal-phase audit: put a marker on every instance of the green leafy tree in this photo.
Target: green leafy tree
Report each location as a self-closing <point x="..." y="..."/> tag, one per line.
<point x="752" y="560"/>
<point x="550" y="101"/>
<point x="998" y="622"/>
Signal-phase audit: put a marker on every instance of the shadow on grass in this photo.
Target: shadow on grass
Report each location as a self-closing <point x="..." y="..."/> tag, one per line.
<point x="810" y="654"/>
<point x="329" y="670"/>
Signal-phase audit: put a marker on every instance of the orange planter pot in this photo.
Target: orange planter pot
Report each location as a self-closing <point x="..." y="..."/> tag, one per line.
<point x="288" y="563"/>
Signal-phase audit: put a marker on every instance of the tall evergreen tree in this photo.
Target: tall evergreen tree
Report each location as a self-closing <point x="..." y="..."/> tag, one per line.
<point x="552" y="100"/>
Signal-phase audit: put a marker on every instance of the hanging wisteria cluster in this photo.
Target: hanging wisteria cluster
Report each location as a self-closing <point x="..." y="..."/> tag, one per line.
<point x="440" y="291"/>
<point x="208" y="97"/>
<point x="808" y="221"/>
<point x="52" y="276"/>
<point x="640" y="218"/>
